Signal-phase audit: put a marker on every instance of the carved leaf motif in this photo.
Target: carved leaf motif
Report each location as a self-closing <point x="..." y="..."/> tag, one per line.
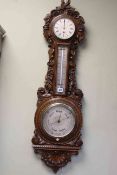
<point x="57" y="159"/>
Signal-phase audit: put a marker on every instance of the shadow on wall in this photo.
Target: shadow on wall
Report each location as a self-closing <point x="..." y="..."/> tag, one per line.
<point x="2" y="35"/>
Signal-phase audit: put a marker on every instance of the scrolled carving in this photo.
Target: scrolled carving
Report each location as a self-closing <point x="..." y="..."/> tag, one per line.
<point x="50" y="72"/>
<point x="67" y="9"/>
<point x="56" y="159"/>
<point x="58" y="153"/>
<point x="42" y="95"/>
<point x="36" y="140"/>
<point x="40" y="92"/>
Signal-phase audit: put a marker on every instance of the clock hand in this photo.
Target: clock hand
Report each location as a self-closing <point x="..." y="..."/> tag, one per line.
<point x="64" y="28"/>
<point x="64" y="119"/>
<point x="60" y="120"/>
<point x="64" y="24"/>
<point x="57" y="121"/>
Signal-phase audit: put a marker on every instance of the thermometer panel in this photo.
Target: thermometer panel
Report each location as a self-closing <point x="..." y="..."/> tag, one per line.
<point x="61" y="70"/>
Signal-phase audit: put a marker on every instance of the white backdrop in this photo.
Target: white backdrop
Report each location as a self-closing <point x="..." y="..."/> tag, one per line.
<point x="22" y="71"/>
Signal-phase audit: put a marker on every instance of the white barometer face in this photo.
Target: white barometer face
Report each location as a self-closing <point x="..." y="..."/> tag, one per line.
<point x="58" y="120"/>
<point x="64" y="28"/>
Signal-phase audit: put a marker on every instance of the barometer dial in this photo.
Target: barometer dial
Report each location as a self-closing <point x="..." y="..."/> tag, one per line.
<point x="64" y="28"/>
<point x="58" y="120"/>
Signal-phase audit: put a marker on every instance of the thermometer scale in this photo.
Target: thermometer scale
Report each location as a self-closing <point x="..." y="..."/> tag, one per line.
<point x="62" y="63"/>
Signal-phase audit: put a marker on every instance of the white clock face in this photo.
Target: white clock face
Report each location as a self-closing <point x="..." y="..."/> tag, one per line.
<point x="64" y="28"/>
<point x="58" y="120"/>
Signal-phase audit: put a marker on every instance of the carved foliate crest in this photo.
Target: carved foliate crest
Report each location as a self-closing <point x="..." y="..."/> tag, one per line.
<point x="65" y="8"/>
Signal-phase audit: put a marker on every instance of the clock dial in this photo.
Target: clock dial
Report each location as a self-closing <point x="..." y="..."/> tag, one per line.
<point x="58" y="120"/>
<point x="64" y="28"/>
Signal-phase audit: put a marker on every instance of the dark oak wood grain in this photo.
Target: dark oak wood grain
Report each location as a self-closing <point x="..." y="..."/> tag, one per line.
<point x="54" y="153"/>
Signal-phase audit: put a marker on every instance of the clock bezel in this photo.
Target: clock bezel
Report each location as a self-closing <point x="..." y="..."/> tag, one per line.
<point x="53" y="22"/>
<point x="68" y="36"/>
<point x="78" y="120"/>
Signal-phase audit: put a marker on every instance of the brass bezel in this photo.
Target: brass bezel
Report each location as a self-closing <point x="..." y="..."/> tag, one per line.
<point x="65" y="101"/>
<point x="54" y="105"/>
<point x="64" y="17"/>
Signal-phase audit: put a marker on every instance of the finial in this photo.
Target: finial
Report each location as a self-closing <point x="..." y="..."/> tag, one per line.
<point x="65" y="2"/>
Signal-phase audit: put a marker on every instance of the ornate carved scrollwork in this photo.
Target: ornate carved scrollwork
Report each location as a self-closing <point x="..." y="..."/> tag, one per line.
<point x="67" y="9"/>
<point x="58" y="154"/>
<point x="56" y="159"/>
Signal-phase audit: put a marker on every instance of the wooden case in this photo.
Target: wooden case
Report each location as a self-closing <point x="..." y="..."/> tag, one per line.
<point x="57" y="153"/>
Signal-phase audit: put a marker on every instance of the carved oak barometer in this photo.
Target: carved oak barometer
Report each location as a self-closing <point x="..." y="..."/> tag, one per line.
<point x="58" y="119"/>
